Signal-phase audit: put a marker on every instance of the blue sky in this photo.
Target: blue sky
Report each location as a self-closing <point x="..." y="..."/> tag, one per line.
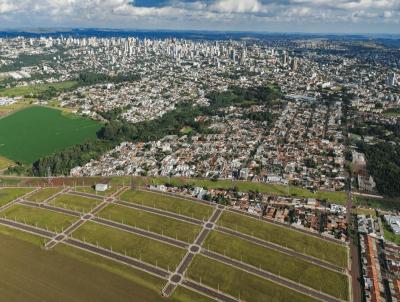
<point x="334" y="16"/>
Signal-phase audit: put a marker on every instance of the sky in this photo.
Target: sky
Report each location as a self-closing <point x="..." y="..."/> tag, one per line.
<point x="313" y="16"/>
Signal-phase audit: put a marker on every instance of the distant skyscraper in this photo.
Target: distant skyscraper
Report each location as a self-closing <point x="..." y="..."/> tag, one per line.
<point x="285" y="58"/>
<point x="243" y="57"/>
<point x="294" y="64"/>
<point x="391" y="79"/>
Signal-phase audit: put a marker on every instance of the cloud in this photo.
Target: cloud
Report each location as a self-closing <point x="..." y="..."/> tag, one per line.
<point x="199" y="13"/>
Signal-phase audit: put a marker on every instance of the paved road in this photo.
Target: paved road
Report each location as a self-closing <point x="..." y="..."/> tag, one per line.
<point x="11" y="203"/>
<point x="51" y="208"/>
<point x="354" y="254"/>
<point x="271" y="277"/>
<point x="27" y="228"/>
<point x="281" y="249"/>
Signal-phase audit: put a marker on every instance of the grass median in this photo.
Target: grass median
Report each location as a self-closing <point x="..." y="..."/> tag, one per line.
<point x="138" y="247"/>
<point x="240" y="284"/>
<point x="289" y="267"/>
<point x="168" y="203"/>
<point x="41" y="218"/>
<point x="292" y="239"/>
<point x="158" y="224"/>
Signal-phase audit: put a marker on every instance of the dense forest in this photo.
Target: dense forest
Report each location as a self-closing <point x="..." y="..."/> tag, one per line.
<point x="383" y="163"/>
<point x="171" y="123"/>
<point x="92" y="78"/>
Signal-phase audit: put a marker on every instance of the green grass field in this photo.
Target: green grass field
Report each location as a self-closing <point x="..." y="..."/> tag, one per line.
<point x="28" y="273"/>
<point x="240" y="284"/>
<point x="243" y="186"/>
<point x="384" y="203"/>
<point x="36" y="89"/>
<point x="76" y="203"/>
<point x="389" y="235"/>
<point x="148" y="250"/>
<point x="363" y="211"/>
<point x="5" y="163"/>
<point x="41" y="218"/>
<point x="300" y="242"/>
<point x="9" y="194"/>
<point x="43" y="194"/>
<point x="32" y="133"/>
<point x="90" y="190"/>
<point x="171" y="204"/>
<point x="280" y="264"/>
<point x="154" y="223"/>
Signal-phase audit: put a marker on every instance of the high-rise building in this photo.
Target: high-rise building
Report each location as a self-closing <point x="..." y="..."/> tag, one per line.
<point x="391" y="79"/>
<point x="294" y="64"/>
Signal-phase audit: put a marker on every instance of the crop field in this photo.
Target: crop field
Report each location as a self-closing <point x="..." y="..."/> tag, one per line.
<point x="240" y="284"/>
<point x="43" y="194"/>
<point x="36" y="89"/>
<point x="154" y="223"/>
<point x="42" y="218"/>
<point x="295" y="269"/>
<point x="9" y="194"/>
<point x="32" y="133"/>
<point x="75" y="203"/>
<point x="168" y="203"/>
<point x="138" y="247"/>
<point x="300" y="242"/>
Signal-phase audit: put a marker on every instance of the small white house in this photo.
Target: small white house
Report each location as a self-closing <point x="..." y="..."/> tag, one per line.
<point x="101" y="187"/>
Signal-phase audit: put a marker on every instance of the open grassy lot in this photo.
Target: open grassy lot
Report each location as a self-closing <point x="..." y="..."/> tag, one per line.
<point x="90" y="190"/>
<point x="363" y="211"/>
<point x="384" y="203"/>
<point x="283" y="236"/>
<point x="182" y="294"/>
<point x="76" y="203"/>
<point x="28" y="273"/>
<point x="240" y="284"/>
<point x="32" y="133"/>
<point x="41" y="218"/>
<point x="168" y="203"/>
<point x="389" y="235"/>
<point x="43" y="194"/>
<point x="5" y="163"/>
<point x="148" y="250"/>
<point x="10" y="181"/>
<point x="243" y="186"/>
<point x="280" y="264"/>
<point x="9" y="194"/>
<point x="154" y="223"/>
<point x="36" y="89"/>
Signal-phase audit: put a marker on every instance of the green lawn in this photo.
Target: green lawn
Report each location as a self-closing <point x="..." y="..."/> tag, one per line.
<point x="384" y="203"/>
<point x="43" y="194"/>
<point x="29" y="273"/>
<point x="243" y="186"/>
<point x="90" y="190"/>
<point x="155" y="223"/>
<point x="300" y="242"/>
<point x="389" y="235"/>
<point x="76" y="203"/>
<point x="363" y="211"/>
<point x="171" y="204"/>
<point x="240" y="284"/>
<point x="148" y="250"/>
<point x="278" y="263"/>
<point x="36" y="89"/>
<point x="41" y="218"/>
<point x="32" y="133"/>
<point x="9" y="194"/>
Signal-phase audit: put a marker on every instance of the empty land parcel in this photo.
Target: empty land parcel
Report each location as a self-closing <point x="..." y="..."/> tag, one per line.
<point x="32" y="133"/>
<point x="161" y="246"/>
